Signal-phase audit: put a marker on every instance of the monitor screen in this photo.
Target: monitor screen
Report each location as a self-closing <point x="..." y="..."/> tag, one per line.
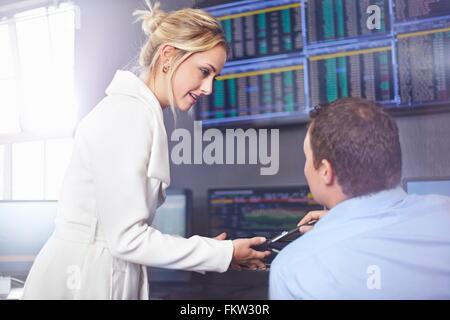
<point x="25" y="226"/>
<point x="287" y="56"/>
<point x="424" y="186"/>
<point x="173" y="217"/>
<point x="249" y="212"/>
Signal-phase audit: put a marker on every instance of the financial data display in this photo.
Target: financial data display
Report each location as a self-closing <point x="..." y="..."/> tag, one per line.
<point x="359" y="73"/>
<point x="290" y="55"/>
<point x="265" y="31"/>
<point x="330" y="20"/>
<point x="423" y="65"/>
<point x="255" y="93"/>
<point x="251" y="212"/>
<point x="266" y="212"/>
<point x="413" y="9"/>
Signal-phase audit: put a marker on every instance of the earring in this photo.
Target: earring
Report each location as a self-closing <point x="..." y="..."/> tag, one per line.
<point x="165" y="69"/>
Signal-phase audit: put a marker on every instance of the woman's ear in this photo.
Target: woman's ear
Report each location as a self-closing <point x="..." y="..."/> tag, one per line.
<point x="166" y="53"/>
<point x="326" y="172"/>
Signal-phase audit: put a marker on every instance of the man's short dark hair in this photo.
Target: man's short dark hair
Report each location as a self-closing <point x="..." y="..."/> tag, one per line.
<point x="361" y="142"/>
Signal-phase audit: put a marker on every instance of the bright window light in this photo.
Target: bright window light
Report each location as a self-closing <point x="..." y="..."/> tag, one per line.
<point x="41" y="88"/>
<point x="57" y="158"/>
<point x="2" y="171"/>
<point x="30" y="13"/>
<point x="9" y="110"/>
<point x="28" y="171"/>
<point x="36" y="73"/>
<point x="6" y="61"/>
<point x="37" y="98"/>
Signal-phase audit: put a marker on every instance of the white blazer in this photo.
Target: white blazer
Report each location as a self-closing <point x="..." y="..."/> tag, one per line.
<point x="115" y="181"/>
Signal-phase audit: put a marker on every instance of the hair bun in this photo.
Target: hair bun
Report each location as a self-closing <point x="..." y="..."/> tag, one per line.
<point x="151" y="18"/>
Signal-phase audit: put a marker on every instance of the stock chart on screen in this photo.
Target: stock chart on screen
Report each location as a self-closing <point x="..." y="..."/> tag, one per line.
<point x="287" y="56"/>
<point x="247" y="212"/>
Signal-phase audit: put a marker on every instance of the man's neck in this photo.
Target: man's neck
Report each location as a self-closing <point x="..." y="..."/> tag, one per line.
<point x="335" y="199"/>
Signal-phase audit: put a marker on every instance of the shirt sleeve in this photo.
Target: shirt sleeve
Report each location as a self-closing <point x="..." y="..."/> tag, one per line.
<point x="118" y="138"/>
<point x="277" y="285"/>
<point x="302" y="278"/>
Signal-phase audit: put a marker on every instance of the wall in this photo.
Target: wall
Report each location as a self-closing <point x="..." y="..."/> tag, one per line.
<point x="108" y="40"/>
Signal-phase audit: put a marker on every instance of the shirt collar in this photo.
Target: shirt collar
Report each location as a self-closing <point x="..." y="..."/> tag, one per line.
<point x="364" y="206"/>
<point x="126" y="83"/>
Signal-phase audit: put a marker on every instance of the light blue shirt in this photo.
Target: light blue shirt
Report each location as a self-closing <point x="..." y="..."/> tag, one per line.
<point x="389" y="245"/>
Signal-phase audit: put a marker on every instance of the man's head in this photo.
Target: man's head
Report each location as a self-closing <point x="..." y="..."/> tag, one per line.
<point x="352" y="149"/>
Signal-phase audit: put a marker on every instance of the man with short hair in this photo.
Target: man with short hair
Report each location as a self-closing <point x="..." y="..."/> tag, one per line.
<point x="375" y="242"/>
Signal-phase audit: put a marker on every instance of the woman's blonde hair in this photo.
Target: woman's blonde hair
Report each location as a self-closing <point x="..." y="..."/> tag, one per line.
<point x="188" y="30"/>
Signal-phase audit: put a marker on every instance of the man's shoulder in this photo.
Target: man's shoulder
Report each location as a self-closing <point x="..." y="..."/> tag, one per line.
<point x="426" y="204"/>
<point x="297" y="255"/>
<point x="431" y="200"/>
<point x="304" y="271"/>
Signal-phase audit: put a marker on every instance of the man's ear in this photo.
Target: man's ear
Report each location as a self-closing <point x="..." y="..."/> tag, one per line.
<point x="326" y="172"/>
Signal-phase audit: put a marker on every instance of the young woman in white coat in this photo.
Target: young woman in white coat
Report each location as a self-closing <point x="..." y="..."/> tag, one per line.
<point x="119" y="170"/>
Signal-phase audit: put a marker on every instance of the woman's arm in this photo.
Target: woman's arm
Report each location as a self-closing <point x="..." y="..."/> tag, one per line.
<point x="119" y="139"/>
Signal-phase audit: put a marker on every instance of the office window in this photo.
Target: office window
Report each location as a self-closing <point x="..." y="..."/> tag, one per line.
<point x="6" y="61"/>
<point x="2" y="172"/>
<point x="36" y="71"/>
<point x="57" y="158"/>
<point x="9" y="111"/>
<point x="38" y="110"/>
<point x="28" y="171"/>
<point x="38" y="168"/>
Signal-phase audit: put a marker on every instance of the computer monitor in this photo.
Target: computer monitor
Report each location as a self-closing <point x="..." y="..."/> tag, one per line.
<point x="427" y="185"/>
<point x="25" y="226"/>
<point x="262" y="211"/>
<point x="174" y="218"/>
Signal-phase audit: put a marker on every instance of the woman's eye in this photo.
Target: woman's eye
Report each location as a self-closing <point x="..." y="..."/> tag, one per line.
<point x="205" y="72"/>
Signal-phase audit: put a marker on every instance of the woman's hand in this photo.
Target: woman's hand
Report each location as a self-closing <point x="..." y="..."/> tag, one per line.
<point x="310" y="216"/>
<point x="221" y="236"/>
<point x="245" y="256"/>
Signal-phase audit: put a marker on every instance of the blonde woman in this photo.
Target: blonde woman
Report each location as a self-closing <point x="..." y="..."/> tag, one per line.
<point x="119" y="170"/>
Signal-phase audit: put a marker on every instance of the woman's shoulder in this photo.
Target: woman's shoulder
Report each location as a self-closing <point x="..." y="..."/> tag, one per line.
<point x="118" y="104"/>
<point x="121" y="107"/>
<point x="118" y="112"/>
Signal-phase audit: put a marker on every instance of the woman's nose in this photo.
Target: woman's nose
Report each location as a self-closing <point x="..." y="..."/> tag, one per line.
<point x="207" y="86"/>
